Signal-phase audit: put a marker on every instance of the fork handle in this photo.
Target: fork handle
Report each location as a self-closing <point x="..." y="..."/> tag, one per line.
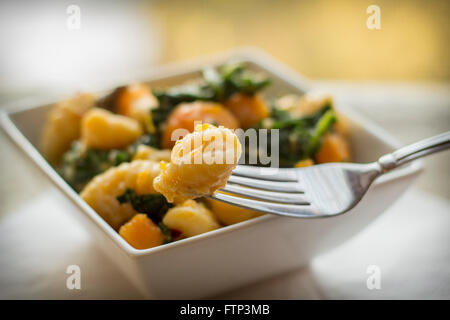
<point x="414" y="151"/>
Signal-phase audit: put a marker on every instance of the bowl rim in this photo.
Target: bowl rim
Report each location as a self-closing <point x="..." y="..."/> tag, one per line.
<point x="249" y="54"/>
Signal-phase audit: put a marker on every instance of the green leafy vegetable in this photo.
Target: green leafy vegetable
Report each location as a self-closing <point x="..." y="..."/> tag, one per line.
<point x="148" y="139"/>
<point x="323" y="125"/>
<point x="79" y="165"/>
<point x="166" y="232"/>
<point x="236" y="78"/>
<point x="299" y="138"/>
<point x="154" y="205"/>
<point x="216" y="85"/>
<point x="215" y="82"/>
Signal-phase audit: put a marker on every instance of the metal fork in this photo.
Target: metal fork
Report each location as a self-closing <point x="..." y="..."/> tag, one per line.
<point x="317" y="191"/>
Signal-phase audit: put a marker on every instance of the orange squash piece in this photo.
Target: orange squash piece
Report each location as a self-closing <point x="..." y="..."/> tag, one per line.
<point x="229" y="214"/>
<point x="131" y="97"/>
<point x="141" y="232"/>
<point x="249" y="110"/>
<point x="186" y="114"/>
<point x="304" y="163"/>
<point x="334" y="148"/>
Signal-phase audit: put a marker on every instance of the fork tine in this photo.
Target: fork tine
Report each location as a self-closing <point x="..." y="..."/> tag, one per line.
<point x="268" y="207"/>
<point x="266" y="185"/>
<point x="292" y="198"/>
<point x="273" y="174"/>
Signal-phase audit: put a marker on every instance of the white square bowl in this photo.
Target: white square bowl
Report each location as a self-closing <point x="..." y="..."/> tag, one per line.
<point x="224" y="259"/>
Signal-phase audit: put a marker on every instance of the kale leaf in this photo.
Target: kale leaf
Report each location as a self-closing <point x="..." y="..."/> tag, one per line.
<point x="237" y="78"/>
<point x="154" y="205"/>
<point x="79" y="165"/>
<point x="166" y="232"/>
<point x="299" y="138"/>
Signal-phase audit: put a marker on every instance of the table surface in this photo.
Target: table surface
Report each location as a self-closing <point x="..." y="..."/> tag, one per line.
<point x="409" y="243"/>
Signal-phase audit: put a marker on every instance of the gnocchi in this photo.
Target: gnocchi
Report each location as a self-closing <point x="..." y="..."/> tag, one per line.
<point x="190" y="218"/>
<point x="101" y="129"/>
<point x="101" y="192"/>
<point x="63" y="125"/>
<point x="305" y="105"/>
<point x="200" y="164"/>
<point x="144" y="152"/>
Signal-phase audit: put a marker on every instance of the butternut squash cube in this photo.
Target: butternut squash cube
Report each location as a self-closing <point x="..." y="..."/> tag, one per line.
<point x="249" y="110"/>
<point x="141" y="233"/>
<point x="186" y="114"/>
<point x="334" y="148"/>
<point x="304" y="163"/>
<point x="229" y="214"/>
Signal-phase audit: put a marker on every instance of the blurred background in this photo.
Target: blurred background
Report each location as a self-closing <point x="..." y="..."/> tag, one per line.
<point x="399" y="76"/>
<point x="320" y="39"/>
